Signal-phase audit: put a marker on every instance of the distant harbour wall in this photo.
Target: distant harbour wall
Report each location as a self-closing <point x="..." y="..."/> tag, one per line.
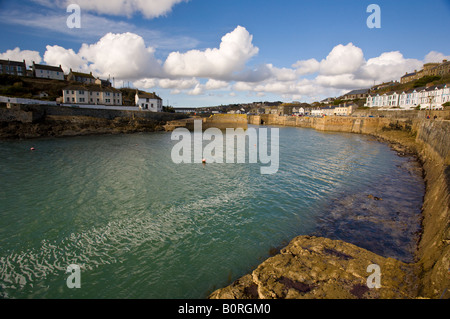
<point x="30" y="121"/>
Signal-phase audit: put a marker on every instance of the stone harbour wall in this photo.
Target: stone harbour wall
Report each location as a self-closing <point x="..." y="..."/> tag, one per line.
<point x="316" y="267"/>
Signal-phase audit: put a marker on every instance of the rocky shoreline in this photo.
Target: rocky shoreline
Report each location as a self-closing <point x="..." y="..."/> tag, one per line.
<point x="321" y="268"/>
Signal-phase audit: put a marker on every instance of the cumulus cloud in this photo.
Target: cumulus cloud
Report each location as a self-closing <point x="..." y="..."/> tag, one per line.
<point x="67" y="58"/>
<point x="342" y="59"/>
<point x="388" y="66"/>
<point x="434" y="57"/>
<point x="148" y="8"/>
<point x="306" y="66"/>
<point x="236" y="48"/>
<point x="123" y="56"/>
<point x="178" y="84"/>
<point x="19" y="55"/>
<point x="216" y="84"/>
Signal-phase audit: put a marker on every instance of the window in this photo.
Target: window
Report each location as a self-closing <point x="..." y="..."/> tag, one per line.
<point x="68" y="99"/>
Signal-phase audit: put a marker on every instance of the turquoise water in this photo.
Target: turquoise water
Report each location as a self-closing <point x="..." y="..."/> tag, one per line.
<point x="140" y="226"/>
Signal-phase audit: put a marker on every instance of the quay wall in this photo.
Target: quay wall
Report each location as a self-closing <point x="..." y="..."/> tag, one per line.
<point x="298" y="270"/>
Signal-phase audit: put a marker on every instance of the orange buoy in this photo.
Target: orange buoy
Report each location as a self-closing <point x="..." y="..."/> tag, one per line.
<point x="204" y="161"/>
<point x="32" y="148"/>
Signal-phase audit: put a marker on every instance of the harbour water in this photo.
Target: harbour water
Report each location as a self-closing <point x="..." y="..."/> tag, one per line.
<point x="140" y="226"/>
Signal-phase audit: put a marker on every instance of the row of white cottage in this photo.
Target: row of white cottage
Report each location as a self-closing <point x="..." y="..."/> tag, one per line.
<point x="426" y="97"/>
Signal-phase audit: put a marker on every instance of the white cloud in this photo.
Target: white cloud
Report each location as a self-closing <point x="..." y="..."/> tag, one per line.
<point x="220" y="63"/>
<point x="178" y="84"/>
<point x="198" y="90"/>
<point x="388" y="66"/>
<point x="67" y="58"/>
<point x="342" y="59"/>
<point x="434" y="56"/>
<point x="122" y="56"/>
<point x="282" y="74"/>
<point x="216" y="84"/>
<point x="148" y="8"/>
<point x="19" y="55"/>
<point x="306" y="66"/>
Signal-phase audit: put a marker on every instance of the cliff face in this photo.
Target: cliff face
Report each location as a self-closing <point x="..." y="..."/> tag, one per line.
<point x="315" y="267"/>
<point x="42" y="121"/>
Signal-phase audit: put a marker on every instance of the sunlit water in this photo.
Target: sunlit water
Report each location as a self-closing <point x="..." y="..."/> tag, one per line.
<point x="141" y="226"/>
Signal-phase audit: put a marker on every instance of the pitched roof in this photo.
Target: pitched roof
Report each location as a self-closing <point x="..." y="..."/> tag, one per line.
<point x="146" y="95"/>
<point x="360" y="91"/>
<point x="408" y="74"/>
<point x="47" y="67"/>
<point x="92" y="88"/>
<point x="9" y="62"/>
<point x="85" y="75"/>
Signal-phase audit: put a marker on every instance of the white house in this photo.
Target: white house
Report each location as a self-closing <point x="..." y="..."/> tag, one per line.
<point x="427" y="97"/>
<point x="317" y="112"/>
<point x="298" y="110"/>
<point x="92" y="94"/>
<point x="148" y="101"/>
<point x="47" y="71"/>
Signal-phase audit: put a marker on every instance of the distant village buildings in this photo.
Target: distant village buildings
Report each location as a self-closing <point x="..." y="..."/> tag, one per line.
<point x="47" y="71"/>
<point x="85" y="78"/>
<point x="431" y="97"/>
<point x="13" y="67"/>
<point x="429" y="69"/>
<point x="92" y="95"/>
<point x="148" y="101"/>
<point x="96" y="91"/>
<point x="89" y="91"/>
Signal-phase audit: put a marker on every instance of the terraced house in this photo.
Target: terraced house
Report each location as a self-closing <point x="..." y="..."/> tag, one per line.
<point x="13" y="67"/>
<point x="92" y="95"/>
<point x="47" y="72"/>
<point x="85" y="78"/>
<point x="431" y="97"/>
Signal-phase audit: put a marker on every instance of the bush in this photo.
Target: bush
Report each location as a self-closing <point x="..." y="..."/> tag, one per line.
<point x="446" y="104"/>
<point x="426" y="79"/>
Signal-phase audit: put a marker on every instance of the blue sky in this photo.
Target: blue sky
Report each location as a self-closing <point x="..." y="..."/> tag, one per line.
<point x="212" y="52"/>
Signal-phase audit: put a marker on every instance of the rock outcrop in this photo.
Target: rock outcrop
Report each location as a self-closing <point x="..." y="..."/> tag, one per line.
<point x="317" y="267"/>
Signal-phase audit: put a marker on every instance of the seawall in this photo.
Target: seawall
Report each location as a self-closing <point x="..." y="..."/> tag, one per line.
<point x="30" y="121"/>
<point x="315" y="267"/>
<point x="220" y="121"/>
